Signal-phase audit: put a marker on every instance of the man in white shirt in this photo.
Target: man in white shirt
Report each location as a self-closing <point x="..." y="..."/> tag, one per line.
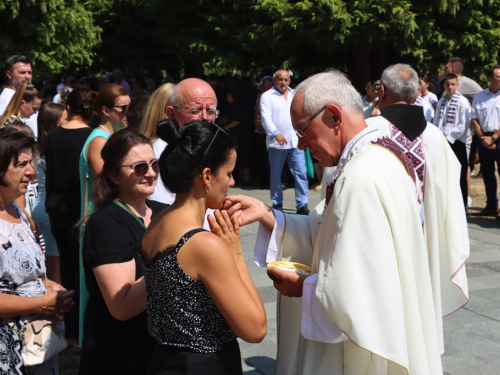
<point x="486" y="125"/>
<point x="18" y="70"/>
<point x="282" y="142"/>
<point x="368" y="307"/>
<point x="453" y="119"/>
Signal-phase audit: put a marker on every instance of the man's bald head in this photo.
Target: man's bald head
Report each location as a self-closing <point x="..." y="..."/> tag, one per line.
<point x="281" y="80"/>
<point x="399" y="84"/>
<point x="190" y="95"/>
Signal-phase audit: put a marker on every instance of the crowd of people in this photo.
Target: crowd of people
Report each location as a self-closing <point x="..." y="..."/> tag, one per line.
<point x="111" y="193"/>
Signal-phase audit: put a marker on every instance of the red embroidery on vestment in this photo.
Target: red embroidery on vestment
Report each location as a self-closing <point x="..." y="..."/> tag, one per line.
<point x="414" y="150"/>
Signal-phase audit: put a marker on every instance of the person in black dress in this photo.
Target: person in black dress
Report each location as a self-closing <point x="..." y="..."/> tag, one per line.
<point x="200" y="296"/>
<point x="115" y="338"/>
<point x="61" y="151"/>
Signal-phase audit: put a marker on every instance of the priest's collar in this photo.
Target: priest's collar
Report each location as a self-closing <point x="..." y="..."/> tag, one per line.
<point x="408" y="118"/>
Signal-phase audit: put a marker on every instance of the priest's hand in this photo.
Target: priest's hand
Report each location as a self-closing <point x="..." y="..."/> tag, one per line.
<point x="250" y="210"/>
<point x="291" y="283"/>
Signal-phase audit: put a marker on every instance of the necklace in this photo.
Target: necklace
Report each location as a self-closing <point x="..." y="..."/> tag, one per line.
<point x="106" y="130"/>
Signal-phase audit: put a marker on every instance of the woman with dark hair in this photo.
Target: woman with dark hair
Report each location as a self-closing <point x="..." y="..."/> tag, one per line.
<point x="23" y="104"/>
<point x="62" y="149"/>
<point x="115" y="338"/>
<point x="193" y="315"/>
<point x="427" y="90"/>
<point x="26" y="294"/>
<point x="50" y="117"/>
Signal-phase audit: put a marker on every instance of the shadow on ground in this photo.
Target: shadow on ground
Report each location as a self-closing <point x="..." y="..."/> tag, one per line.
<point x="263" y="365"/>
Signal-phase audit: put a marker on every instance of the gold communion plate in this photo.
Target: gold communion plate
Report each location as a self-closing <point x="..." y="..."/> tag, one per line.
<point x="292" y="267"/>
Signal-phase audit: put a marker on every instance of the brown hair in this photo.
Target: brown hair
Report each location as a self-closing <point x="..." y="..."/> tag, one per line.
<point x="81" y="103"/>
<point x="26" y="92"/>
<point x="107" y="96"/>
<point x="12" y="141"/>
<point x="449" y="77"/>
<point x="49" y="116"/>
<point x="114" y="151"/>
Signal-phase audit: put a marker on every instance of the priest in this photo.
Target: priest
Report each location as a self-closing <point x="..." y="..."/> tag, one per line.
<point x="368" y="306"/>
<point x="438" y="170"/>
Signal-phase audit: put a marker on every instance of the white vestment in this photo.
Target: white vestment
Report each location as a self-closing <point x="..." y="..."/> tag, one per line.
<point x="373" y="285"/>
<point x="445" y="222"/>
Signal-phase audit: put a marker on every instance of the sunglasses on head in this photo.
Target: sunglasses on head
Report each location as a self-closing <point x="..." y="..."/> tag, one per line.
<point x="215" y="135"/>
<point x="141" y="168"/>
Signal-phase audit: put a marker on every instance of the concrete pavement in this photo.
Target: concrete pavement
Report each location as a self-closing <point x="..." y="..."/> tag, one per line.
<point x="472" y="335"/>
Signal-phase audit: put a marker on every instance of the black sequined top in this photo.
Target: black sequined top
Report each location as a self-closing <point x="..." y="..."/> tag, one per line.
<point x="181" y="312"/>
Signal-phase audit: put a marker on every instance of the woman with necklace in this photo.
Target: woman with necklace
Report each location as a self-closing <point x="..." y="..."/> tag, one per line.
<point x="115" y="338"/>
<point x="62" y="152"/>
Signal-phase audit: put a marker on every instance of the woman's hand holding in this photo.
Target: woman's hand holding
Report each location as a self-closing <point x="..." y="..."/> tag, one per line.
<point x="57" y="302"/>
<point x="228" y="229"/>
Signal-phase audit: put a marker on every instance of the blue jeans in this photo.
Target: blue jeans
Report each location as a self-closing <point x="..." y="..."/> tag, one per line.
<point x="487" y="159"/>
<point x="297" y="164"/>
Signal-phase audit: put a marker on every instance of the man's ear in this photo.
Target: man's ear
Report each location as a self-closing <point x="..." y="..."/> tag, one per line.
<point x="335" y="115"/>
<point x="169" y="111"/>
<point x="9" y="74"/>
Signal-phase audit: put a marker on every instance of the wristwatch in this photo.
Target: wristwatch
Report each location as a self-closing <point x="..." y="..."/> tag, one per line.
<point x="493" y="139"/>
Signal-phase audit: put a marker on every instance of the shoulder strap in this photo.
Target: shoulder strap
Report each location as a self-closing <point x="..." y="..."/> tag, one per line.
<point x="120" y="204"/>
<point x="194" y="231"/>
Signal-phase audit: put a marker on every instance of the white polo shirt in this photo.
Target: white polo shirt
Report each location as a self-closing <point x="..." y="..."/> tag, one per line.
<point x="486" y="110"/>
<point x="275" y="113"/>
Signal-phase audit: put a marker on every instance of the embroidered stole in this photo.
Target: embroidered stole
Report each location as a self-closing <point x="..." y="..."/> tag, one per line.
<point x="451" y="114"/>
<point x="395" y="149"/>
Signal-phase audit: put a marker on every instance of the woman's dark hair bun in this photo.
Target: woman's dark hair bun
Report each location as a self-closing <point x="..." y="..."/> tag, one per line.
<point x="168" y="130"/>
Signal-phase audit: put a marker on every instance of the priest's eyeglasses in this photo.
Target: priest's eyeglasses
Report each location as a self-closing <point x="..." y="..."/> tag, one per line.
<point x="215" y="135"/>
<point x="301" y="133"/>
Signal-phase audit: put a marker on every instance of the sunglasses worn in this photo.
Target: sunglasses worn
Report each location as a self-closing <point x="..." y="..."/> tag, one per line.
<point x="141" y="168"/>
<point x="198" y="112"/>
<point x="215" y="135"/>
<point x="123" y="107"/>
<point x="300" y="133"/>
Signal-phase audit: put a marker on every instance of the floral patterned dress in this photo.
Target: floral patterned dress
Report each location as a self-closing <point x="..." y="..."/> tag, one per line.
<point x="22" y="272"/>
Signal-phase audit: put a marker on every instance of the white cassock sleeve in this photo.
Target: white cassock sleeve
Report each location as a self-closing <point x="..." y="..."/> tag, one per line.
<point x="316" y="325"/>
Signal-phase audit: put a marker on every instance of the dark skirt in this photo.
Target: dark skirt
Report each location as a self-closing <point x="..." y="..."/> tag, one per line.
<point x="173" y="361"/>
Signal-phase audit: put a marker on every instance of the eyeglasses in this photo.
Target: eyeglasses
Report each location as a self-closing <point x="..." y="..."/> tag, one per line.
<point x="377" y="86"/>
<point x="123" y="107"/>
<point x="300" y="133"/>
<point x="141" y="168"/>
<point x="215" y="135"/>
<point x="198" y="112"/>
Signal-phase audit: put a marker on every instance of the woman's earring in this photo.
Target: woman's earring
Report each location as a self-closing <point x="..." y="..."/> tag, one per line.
<point x="209" y="189"/>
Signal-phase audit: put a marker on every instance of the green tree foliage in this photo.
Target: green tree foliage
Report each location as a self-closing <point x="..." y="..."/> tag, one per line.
<point x="55" y="34"/>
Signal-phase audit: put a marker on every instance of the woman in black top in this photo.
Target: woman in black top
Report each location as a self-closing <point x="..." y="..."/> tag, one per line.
<point x="61" y="152"/>
<point x="200" y="294"/>
<point x="115" y="338"/>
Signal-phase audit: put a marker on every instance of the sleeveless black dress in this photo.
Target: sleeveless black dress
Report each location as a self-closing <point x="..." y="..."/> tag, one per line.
<point x="191" y="335"/>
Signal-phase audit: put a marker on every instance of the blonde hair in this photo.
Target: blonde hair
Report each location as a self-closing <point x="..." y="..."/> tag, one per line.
<point x="28" y="94"/>
<point x="156" y="110"/>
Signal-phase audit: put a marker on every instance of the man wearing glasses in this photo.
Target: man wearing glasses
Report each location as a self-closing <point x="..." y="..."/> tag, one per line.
<point x="191" y="100"/>
<point x="282" y="143"/>
<point x="367" y="307"/>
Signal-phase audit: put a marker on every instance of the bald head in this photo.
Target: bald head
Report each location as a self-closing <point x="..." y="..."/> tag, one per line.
<point x="399" y="84"/>
<point x="190" y="95"/>
<point x="281" y="80"/>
